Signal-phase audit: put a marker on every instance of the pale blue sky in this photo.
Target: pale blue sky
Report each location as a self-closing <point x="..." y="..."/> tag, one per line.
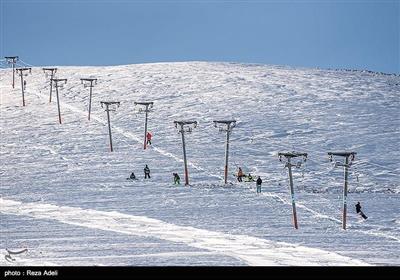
<point x="324" y="34"/>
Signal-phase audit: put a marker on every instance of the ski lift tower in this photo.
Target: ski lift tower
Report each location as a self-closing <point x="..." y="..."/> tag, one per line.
<point x="226" y="126"/>
<point x="58" y="83"/>
<point x="182" y="129"/>
<point x="89" y="82"/>
<point x="50" y="72"/>
<point x="349" y="157"/>
<point x="23" y="83"/>
<point x="12" y="60"/>
<point x="147" y="108"/>
<point x="110" y="106"/>
<point x="289" y="156"/>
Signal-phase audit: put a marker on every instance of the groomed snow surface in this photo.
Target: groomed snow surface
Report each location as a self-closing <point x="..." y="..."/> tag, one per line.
<point x="65" y="197"/>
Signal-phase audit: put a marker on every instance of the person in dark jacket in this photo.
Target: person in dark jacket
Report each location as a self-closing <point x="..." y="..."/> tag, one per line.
<point x="358" y="210"/>
<point x="177" y="179"/>
<point x="146" y="172"/>
<point x="132" y="177"/>
<point x="258" y="183"/>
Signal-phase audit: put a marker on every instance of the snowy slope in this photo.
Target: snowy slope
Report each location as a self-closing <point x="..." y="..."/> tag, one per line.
<point x="64" y="195"/>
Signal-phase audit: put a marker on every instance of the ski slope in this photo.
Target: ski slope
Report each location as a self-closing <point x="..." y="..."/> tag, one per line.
<point x="65" y="196"/>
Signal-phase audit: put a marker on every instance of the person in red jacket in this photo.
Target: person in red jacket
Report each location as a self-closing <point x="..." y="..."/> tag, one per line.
<point x="148" y="136"/>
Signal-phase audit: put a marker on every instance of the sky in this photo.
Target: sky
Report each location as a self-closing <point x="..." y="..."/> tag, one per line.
<point x="315" y="34"/>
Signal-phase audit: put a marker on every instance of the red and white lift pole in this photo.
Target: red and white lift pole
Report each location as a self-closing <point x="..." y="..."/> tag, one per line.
<point x="227" y="126"/>
<point x="147" y="108"/>
<point x="185" y="126"/>
<point x="349" y="157"/>
<point x="58" y="83"/>
<point x="289" y="165"/>
<point x="12" y="60"/>
<point x="89" y="82"/>
<point x="50" y="72"/>
<point x="21" y="73"/>
<point x="110" y="106"/>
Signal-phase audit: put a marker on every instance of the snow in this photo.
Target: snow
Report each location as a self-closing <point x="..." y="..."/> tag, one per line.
<point x="254" y="251"/>
<point x="62" y="183"/>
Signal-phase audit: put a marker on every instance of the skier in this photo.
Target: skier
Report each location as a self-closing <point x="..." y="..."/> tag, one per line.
<point x="177" y="179"/>
<point x="358" y="210"/>
<point x="148" y="137"/>
<point x="240" y="175"/>
<point x="258" y="183"/>
<point x="249" y="178"/>
<point x="132" y="177"/>
<point x="146" y="172"/>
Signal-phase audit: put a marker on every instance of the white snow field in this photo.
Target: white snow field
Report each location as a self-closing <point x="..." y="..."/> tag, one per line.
<point x="65" y="197"/>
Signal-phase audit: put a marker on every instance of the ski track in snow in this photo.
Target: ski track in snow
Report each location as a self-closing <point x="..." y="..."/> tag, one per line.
<point x="254" y="251"/>
<point x="22" y="260"/>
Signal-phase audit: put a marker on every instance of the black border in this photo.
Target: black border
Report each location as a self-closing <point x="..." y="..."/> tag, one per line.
<point x="189" y="272"/>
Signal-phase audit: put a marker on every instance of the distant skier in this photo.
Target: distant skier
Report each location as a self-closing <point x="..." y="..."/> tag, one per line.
<point x="240" y="175"/>
<point x="177" y="179"/>
<point x="132" y="177"/>
<point x="148" y="137"/>
<point x="249" y="178"/>
<point x="358" y="210"/>
<point x="258" y="183"/>
<point x="146" y="172"/>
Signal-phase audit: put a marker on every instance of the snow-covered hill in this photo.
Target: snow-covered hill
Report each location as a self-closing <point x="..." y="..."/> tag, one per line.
<point x="65" y="196"/>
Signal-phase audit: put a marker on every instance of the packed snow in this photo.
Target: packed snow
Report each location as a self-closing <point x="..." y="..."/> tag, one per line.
<point x="65" y="197"/>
